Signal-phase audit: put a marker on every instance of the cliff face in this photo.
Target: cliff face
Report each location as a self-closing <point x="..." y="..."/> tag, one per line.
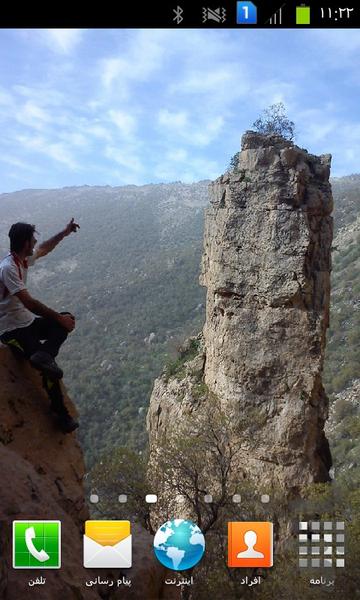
<point x="42" y="474"/>
<point x="266" y="266"/>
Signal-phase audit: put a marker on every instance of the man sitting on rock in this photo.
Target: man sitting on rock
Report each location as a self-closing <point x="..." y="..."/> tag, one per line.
<point x="26" y="325"/>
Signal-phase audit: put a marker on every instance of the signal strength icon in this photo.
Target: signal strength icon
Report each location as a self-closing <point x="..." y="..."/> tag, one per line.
<point x="276" y="18"/>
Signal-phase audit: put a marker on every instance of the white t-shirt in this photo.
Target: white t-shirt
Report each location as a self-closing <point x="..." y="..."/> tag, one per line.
<point x="13" y="313"/>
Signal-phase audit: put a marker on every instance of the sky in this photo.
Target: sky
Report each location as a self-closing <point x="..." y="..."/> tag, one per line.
<point x="126" y="106"/>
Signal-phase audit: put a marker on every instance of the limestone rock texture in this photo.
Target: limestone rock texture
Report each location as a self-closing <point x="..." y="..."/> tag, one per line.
<point x="266" y="266"/>
<point x="42" y="474"/>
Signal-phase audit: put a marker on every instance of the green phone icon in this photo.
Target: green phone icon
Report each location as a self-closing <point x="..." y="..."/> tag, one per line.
<point x="36" y="544"/>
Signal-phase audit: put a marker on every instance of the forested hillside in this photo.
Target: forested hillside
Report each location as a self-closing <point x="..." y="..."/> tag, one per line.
<point x="342" y="364"/>
<point x="130" y="275"/>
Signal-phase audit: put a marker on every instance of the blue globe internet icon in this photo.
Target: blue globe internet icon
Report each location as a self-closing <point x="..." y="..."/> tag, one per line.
<point x="179" y="544"/>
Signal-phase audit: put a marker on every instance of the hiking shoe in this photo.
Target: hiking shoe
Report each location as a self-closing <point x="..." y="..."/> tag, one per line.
<point x="67" y="423"/>
<point x="45" y="363"/>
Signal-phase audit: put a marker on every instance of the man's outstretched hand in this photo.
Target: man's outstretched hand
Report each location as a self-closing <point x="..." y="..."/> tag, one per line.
<point x="70" y="227"/>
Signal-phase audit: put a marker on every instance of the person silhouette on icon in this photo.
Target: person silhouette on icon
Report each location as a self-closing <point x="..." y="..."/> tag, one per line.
<point x="250" y="539"/>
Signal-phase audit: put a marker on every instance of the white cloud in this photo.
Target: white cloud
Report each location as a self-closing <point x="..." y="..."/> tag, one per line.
<point x="125" y="157"/>
<point x="132" y="99"/>
<point x="175" y="120"/>
<point x="177" y="155"/>
<point x="5" y="98"/>
<point x="197" y="131"/>
<point x="42" y="94"/>
<point x="57" y="151"/>
<point x="211" y="69"/>
<point x="326" y="133"/>
<point x="350" y="154"/>
<point x="342" y="41"/>
<point x="267" y="92"/>
<point x="125" y="122"/>
<point x="99" y="131"/>
<point x="74" y="138"/>
<point x="111" y="69"/>
<point x="32" y="115"/>
<point x="316" y="125"/>
<point x="62" y="41"/>
<point x="58" y="41"/>
<point x="206" y="134"/>
<point x="144" y="55"/>
<point x="318" y="132"/>
<point x="205" y="82"/>
<point x="62" y="154"/>
<point x="16" y="162"/>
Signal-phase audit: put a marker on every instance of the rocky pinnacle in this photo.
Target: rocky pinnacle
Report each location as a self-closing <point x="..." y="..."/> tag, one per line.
<point x="266" y="266"/>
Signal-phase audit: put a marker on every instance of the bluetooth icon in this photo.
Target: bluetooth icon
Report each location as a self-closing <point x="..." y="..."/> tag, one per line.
<point x="178" y="12"/>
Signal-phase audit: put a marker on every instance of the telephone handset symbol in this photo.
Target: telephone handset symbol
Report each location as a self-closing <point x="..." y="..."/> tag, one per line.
<point x="41" y="555"/>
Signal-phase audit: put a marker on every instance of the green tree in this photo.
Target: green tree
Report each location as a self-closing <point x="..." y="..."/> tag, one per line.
<point x="234" y="161"/>
<point x="274" y="121"/>
<point x="122" y="471"/>
<point x="197" y="457"/>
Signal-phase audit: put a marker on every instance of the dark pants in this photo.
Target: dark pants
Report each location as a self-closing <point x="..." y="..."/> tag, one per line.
<point x="46" y="335"/>
<point x="28" y="339"/>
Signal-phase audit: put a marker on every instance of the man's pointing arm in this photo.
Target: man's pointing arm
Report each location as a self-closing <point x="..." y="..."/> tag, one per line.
<point x="50" y="244"/>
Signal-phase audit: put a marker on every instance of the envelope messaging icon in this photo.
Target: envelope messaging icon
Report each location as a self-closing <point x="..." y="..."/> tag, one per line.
<point x="107" y="544"/>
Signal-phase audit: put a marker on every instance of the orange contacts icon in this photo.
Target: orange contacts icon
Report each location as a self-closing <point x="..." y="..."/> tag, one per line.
<point x="250" y="544"/>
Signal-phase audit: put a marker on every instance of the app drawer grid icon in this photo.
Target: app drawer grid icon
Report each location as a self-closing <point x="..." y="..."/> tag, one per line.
<point x="321" y="544"/>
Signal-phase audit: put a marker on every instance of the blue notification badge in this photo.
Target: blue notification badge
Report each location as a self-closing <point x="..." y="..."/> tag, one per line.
<point x="246" y="13"/>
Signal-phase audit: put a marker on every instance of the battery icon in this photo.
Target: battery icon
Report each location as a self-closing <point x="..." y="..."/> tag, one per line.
<point x="303" y="15"/>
